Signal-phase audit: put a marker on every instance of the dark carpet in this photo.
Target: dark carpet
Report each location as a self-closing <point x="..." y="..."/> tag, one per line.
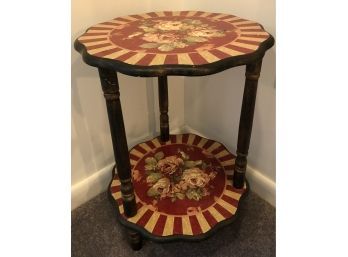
<point x="95" y="232"/>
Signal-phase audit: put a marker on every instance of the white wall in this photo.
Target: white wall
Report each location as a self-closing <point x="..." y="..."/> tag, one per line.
<point x="193" y="102"/>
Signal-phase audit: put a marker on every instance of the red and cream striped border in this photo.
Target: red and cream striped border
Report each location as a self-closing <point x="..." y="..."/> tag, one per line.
<point x="96" y="40"/>
<point x="161" y="224"/>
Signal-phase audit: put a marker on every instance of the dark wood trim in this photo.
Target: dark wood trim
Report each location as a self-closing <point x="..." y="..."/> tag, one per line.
<point x="177" y="69"/>
<point x="252" y="75"/>
<point x="109" y="82"/>
<point x="163" y="105"/>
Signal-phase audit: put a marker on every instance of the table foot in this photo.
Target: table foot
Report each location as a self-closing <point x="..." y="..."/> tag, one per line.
<point x="135" y="240"/>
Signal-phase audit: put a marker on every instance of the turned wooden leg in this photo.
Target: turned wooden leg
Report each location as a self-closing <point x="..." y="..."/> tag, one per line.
<point x="163" y="104"/>
<point x="111" y="91"/>
<point x="135" y="240"/>
<point x="246" y="122"/>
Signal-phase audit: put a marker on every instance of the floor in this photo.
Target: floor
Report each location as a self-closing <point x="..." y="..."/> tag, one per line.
<point x="95" y="232"/>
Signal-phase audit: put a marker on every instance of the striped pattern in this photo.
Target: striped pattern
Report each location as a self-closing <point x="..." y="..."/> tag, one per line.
<point x="161" y="224"/>
<point x="97" y="40"/>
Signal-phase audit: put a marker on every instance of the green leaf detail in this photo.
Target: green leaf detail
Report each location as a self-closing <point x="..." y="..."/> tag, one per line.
<point x="159" y="156"/>
<point x="150" y="161"/>
<point x="190" y="164"/>
<point x="180" y="196"/>
<point x="166" y="47"/>
<point x="191" y="21"/>
<point x="153" y="177"/>
<point x="195" y="39"/>
<point x="194" y="194"/>
<point x="152" y="192"/>
<point x="149" y="29"/>
<point x="198" y="163"/>
<point x="204" y="166"/>
<point x="149" y="45"/>
<point x="187" y="21"/>
<point x="177" y="179"/>
<point x="184" y="156"/>
<point x="196" y="22"/>
<point x="150" y="167"/>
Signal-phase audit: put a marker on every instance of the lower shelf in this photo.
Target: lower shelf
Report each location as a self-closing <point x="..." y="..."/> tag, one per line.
<point x="183" y="188"/>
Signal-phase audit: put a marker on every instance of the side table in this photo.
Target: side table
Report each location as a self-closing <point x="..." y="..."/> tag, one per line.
<point x="175" y="187"/>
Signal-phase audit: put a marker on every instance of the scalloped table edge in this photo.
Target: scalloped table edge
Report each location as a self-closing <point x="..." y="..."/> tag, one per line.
<point x="172" y="238"/>
<point x="174" y="69"/>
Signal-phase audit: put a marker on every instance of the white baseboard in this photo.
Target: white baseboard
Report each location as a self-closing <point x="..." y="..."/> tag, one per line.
<point x="259" y="183"/>
<point x="97" y="183"/>
<point x="91" y="186"/>
<point x="262" y="185"/>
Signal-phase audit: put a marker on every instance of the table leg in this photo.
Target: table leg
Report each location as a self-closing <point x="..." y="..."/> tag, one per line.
<point x="111" y="91"/>
<point x="163" y="105"/>
<point x="246" y="122"/>
<point x="135" y="239"/>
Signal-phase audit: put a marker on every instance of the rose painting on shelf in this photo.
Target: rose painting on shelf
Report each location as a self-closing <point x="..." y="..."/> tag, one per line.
<point x="177" y="177"/>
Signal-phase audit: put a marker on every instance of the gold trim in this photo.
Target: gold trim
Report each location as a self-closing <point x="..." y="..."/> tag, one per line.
<point x="146" y="147"/>
<point x="203" y="222"/>
<point x="137" y="153"/>
<point x="202" y="142"/>
<point x="191" y="138"/>
<point x="115" y="182"/>
<point x="150" y="225"/>
<point x="229" y="51"/>
<point x="227" y="206"/>
<point x="139" y="214"/>
<point x="213" y="147"/>
<point x="160" y="14"/>
<point x="121" y="209"/>
<point x="158" y="60"/>
<point x="114" y="55"/>
<point x="232" y="194"/>
<point x="186" y="226"/>
<point x="156" y="142"/>
<point x="168" y="227"/>
<point x="228" y="162"/>
<point x="209" y="57"/>
<point x="179" y="139"/>
<point x="216" y="214"/>
<point x="184" y="58"/>
<point x="135" y="58"/>
<point x="117" y="195"/>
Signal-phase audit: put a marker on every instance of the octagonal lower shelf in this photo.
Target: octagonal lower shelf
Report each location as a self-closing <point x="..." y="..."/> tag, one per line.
<point x="183" y="188"/>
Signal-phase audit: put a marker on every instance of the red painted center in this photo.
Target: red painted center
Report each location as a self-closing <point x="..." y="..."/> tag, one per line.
<point x="179" y="207"/>
<point x="120" y="36"/>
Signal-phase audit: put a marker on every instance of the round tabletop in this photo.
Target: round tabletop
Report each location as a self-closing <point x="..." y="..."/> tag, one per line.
<point x="173" y="43"/>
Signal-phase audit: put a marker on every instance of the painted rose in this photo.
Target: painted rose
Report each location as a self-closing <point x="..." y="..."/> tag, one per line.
<point x="177" y="177"/>
<point x="167" y="36"/>
<point x="179" y="44"/>
<point x="195" y="177"/>
<point x="162" y="186"/>
<point x="206" y="33"/>
<point x="160" y="38"/>
<point x="169" y="25"/>
<point x="170" y="165"/>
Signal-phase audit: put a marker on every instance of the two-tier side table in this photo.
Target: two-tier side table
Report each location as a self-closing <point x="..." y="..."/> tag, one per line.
<point x="175" y="187"/>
